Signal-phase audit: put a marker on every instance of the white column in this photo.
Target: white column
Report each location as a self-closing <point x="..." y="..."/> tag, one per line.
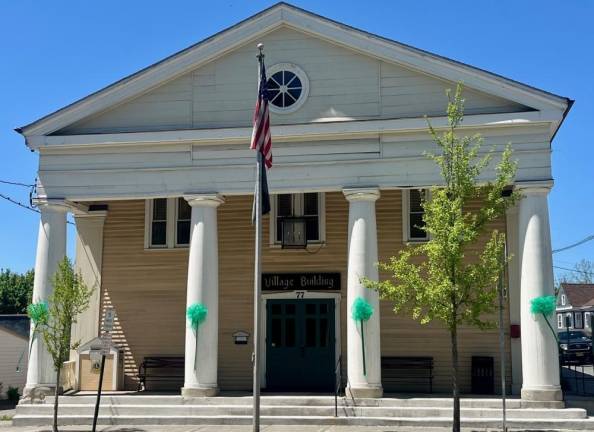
<point x="89" y="256"/>
<point x="51" y="249"/>
<point x="540" y="361"/>
<point x="203" y="287"/>
<point x="514" y="296"/>
<point x="362" y="260"/>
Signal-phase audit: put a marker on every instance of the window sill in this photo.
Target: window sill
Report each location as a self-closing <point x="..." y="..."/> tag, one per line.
<point x="311" y="246"/>
<point x="163" y="249"/>
<point x="415" y="241"/>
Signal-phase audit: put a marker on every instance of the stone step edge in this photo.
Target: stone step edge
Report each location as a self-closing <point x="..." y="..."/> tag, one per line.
<point x="48" y="406"/>
<point x="563" y="422"/>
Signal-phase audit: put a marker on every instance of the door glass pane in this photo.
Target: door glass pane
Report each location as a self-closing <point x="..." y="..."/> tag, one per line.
<point x="323" y="308"/>
<point x="290" y="309"/>
<point x="310" y="308"/>
<point x="290" y="331"/>
<point x="275" y="336"/>
<point x="275" y="309"/>
<point x="310" y="332"/>
<point x="323" y="332"/>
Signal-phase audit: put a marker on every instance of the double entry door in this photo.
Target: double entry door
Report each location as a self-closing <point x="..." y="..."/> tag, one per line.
<point x="300" y="345"/>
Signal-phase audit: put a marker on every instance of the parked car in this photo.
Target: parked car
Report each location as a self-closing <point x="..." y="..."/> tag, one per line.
<point x="575" y="346"/>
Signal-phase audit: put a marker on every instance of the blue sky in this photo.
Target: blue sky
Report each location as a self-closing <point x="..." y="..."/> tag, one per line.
<point x="56" y="52"/>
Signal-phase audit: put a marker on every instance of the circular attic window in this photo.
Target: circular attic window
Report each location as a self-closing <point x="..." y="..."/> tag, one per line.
<point x="288" y="87"/>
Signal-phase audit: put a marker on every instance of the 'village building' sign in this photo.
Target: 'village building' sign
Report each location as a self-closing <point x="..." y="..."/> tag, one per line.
<point x="300" y="281"/>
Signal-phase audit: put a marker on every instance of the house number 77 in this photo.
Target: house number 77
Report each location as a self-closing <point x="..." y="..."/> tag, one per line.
<point x="300" y="294"/>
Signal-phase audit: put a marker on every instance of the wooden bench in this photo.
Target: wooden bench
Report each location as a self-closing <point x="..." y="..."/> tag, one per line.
<point x="404" y="374"/>
<point x="160" y="368"/>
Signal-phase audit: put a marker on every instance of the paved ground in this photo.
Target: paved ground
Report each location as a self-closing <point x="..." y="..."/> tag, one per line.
<point x="294" y="428"/>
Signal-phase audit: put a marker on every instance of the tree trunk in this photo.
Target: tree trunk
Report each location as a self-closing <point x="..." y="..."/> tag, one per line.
<point x="56" y="393"/>
<point x="455" y="389"/>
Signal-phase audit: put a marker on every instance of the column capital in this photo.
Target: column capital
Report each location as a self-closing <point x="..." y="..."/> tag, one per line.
<point x="535" y="187"/>
<point x="361" y="194"/>
<point x="51" y="204"/>
<point x="204" y="200"/>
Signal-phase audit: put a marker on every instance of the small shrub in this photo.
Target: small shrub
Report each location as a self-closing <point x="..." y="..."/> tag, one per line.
<point x="12" y="394"/>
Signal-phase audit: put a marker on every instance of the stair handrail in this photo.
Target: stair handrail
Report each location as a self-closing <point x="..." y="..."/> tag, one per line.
<point x="337" y="383"/>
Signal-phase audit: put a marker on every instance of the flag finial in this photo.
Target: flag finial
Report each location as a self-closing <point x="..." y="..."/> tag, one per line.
<point x="261" y="49"/>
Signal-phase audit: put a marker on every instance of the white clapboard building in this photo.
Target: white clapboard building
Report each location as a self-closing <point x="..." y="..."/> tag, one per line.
<point x="157" y="171"/>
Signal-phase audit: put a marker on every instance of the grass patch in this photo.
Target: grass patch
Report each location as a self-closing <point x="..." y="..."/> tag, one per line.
<point x="5" y="418"/>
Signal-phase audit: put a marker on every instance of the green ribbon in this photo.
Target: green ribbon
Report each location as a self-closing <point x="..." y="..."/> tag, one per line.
<point x="362" y="311"/>
<point x="544" y="305"/>
<point x="196" y="315"/>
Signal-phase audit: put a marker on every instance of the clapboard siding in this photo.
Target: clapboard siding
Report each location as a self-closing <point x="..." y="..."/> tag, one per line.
<point x="344" y="84"/>
<point x="148" y="289"/>
<point x="13" y="361"/>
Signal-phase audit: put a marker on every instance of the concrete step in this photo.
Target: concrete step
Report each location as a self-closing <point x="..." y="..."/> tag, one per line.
<point x="421" y="422"/>
<point x="442" y="402"/>
<point x="296" y="411"/>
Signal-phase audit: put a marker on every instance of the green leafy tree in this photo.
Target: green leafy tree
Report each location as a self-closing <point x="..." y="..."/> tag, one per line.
<point x="15" y="291"/>
<point x="69" y="298"/>
<point x="435" y="280"/>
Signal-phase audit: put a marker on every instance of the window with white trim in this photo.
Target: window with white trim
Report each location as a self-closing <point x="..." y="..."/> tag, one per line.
<point x="568" y="320"/>
<point x="167" y="223"/>
<point x="579" y="323"/>
<point x="563" y="299"/>
<point x="309" y="206"/>
<point x="587" y="320"/>
<point x="412" y="217"/>
<point x="560" y="321"/>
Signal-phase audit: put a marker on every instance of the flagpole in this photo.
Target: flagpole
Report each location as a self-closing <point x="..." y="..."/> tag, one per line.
<point x="257" y="274"/>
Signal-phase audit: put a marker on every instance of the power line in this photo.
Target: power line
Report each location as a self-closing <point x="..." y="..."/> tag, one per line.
<point x="25" y="206"/>
<point x="573" y="270"/>
<point x="587" y="239"/>
<point x="13" y="183"/>
<point x="20" y="204"/>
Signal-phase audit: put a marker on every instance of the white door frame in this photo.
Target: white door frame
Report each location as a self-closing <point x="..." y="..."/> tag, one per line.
<point x="298" y="294"/>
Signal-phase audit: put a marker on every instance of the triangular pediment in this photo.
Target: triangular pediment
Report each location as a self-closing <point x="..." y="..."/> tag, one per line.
<point x="352" y="75"/>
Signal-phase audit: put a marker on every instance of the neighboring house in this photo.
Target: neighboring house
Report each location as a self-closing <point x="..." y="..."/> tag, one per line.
<point x="575" y="306"/>
<point x="158" y="174"/>
<point x="14" y="340"/>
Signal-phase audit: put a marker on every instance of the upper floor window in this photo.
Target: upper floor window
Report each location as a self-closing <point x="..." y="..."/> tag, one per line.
<point x="579" y="323"/>
<point x="412" y="206"/>
<point x="167" y="223"/>
<point x="560" y="321"/>
<point x="288" y="87"/>
<point x="568" y="320"/>
<point x="587" y="320"/>
<point x="563" y="299"/>
<point x="307" y="206"/>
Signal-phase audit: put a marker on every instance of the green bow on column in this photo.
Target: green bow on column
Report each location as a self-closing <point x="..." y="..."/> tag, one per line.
<point x="196" y="314"/>
<point x="544" y="305"/>
<point x="361" y="312"/>
<point x="38" y="314"/>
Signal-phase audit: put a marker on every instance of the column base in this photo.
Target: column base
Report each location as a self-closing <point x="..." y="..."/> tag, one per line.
<point x="364" y="392"/>
<point x="38" y="393"/>
<point x="542" y="395"/>
<point x="189" y="392"/>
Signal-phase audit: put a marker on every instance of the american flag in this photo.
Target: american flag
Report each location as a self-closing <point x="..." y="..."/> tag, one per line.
<point x="261" y="139"/>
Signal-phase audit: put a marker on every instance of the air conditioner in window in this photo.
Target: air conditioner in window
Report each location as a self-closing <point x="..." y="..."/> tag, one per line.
<point x="293" y="233"/>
